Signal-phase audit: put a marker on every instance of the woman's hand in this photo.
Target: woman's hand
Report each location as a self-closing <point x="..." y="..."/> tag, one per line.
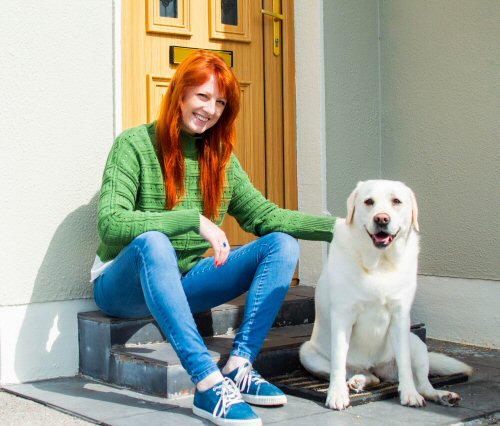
<point x="217" y="239"/>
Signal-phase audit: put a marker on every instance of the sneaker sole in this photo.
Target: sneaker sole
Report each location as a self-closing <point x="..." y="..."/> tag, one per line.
<point x="264" y="400"/>
<point x="225" y="422"/>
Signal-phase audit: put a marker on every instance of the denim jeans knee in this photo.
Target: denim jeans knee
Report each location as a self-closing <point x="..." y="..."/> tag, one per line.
<point x="154" y="244"/>
<point x="286" y="251"/>
<point x="288" y="247"/>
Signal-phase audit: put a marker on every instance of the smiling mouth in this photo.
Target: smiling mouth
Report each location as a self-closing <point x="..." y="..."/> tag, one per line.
<point x="382" y="239"/>
<point x="200" y="117"/>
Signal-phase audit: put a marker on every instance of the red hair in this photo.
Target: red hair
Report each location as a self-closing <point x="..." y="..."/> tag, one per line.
<point x="218" y="141"/>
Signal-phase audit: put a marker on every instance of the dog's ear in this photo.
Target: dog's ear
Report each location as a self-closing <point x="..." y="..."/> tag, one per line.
<point x="414" y="211"/>
<point x="351" y="201"/>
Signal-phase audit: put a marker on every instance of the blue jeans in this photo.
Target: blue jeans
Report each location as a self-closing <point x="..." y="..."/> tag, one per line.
<point x="144" y="280"/>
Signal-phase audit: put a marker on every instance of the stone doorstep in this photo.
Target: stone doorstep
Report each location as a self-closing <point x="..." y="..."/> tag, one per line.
<point x="133" y="353"/>
<point x="99" y="333"/>
<point x="298" y="308"/>
<point x="155" y="368"/>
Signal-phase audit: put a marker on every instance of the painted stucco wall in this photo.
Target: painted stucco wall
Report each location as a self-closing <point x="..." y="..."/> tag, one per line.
<point x="438" y="85"/>
<point x="57" y="125"/>
<point x="420" y="106"/>
<point x="311" y="162"/>
<point x="353" y="142"/>
<point x="56" y="115"/>
<point x="440" y="79"/>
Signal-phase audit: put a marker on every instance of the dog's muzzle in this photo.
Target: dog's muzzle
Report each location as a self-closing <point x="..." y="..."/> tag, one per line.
<point x="382" y="239"/>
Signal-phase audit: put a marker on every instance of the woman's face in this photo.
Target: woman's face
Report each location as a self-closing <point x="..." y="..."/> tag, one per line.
<point x="201" y="107"/>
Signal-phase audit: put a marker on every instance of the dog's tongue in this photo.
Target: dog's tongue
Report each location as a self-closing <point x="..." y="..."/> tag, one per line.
<point x="382" y="238"/>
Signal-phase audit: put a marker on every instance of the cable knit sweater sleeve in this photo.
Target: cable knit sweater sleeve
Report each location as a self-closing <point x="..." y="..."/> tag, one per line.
<point x="132" y="168"/>
<point x="259" y="216"/>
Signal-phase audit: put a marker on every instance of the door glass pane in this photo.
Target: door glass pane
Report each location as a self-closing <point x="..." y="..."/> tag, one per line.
<point x="229" y="12"/>
<point x="168" y="8"/>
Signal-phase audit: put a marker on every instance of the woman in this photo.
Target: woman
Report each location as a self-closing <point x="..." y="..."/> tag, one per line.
<point x="165" y="191"/>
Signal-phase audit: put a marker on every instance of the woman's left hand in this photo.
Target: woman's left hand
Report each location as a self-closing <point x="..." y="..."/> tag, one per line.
<point x="217" y="239"/>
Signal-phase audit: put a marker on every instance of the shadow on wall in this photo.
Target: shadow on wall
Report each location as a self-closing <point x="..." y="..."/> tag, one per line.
<point x="47" y="345"/>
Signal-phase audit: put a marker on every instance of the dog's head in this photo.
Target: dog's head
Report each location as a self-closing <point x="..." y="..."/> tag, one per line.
<point x="383" y="209"/>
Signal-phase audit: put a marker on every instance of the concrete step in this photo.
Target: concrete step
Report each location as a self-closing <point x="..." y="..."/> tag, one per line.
<point x="99" y="333"/>
<point x="134" y="354"/>
<point x="154" y="368"/>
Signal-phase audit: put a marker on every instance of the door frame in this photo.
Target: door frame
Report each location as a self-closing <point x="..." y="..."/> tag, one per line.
<point x="289" y="107"/>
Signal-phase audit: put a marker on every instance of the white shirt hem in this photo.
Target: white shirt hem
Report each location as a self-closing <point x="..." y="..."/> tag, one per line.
<point x="98" y="268"/>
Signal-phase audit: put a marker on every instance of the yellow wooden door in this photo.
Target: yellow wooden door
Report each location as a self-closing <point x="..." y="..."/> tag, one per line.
<point x="155" y="34"/>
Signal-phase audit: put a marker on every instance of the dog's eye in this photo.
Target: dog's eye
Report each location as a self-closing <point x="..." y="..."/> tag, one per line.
<point x="369" y="202"/>
<point x="396" y="201"/>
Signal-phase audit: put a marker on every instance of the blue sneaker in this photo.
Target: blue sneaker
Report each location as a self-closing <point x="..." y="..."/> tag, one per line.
<point x="254" y="388"/>
<point x="223" y="405"/>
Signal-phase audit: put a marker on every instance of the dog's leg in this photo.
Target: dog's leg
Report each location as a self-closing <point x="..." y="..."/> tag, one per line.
<point x="420" y="365"/>
<point x="338" y="392"/>
<point x="313" y="361"/>
<point x="359" y="380"/>
<point x="399" y="332"/>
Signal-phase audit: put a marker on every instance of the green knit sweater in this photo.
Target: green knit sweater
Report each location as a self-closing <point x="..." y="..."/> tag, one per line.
<point x="132" y="201"/>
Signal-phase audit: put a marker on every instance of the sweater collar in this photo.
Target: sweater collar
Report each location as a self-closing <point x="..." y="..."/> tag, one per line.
<point x="189" y="143"/>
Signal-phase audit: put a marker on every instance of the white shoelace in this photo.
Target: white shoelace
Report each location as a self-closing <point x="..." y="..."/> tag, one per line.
<point x="229" y="395"/>
<point x="246" y="376"/>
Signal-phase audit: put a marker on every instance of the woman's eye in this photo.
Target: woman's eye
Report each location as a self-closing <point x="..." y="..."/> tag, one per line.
<point x="202" y="96"/>
<point x="221" y="102"/>
<point x="369" y="202"/>
<point x="396" y="202"/>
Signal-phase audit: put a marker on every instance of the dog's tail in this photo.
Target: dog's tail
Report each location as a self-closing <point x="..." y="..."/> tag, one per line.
<point x="313" y="361"/>
<point x="443" y="365"/>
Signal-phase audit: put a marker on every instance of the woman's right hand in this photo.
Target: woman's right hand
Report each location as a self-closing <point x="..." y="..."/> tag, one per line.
<point x="217" y="239"/>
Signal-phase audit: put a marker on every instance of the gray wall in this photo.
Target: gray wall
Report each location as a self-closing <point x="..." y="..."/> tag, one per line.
<point x="434" y="80"/>
<point x="352" y="97"/>
<point x="441" y="126"/>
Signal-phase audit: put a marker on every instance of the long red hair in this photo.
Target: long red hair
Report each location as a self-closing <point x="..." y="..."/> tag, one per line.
<point x="218" y="141"/>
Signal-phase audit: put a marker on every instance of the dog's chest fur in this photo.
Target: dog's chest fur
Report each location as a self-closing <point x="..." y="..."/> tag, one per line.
<point x="372" y="277"/>
<point x="371" y="287"/>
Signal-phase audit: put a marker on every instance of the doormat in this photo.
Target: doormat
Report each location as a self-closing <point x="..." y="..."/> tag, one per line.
<point x="304" y="385"/>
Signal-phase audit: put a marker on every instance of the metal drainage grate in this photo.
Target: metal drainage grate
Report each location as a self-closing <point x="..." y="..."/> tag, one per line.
<point x="302" y="384"/>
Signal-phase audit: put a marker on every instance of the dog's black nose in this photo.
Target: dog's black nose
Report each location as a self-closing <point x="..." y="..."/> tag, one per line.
<point x="382" y="219"/>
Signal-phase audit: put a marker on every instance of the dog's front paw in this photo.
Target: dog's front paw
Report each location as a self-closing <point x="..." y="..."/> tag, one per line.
<point x="411" y="398"/>
<point x="359" y="382"/>
<point x="337" y="396"/>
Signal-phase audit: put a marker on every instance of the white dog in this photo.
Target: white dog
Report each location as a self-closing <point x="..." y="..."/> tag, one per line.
<point x="363" y="300"/>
